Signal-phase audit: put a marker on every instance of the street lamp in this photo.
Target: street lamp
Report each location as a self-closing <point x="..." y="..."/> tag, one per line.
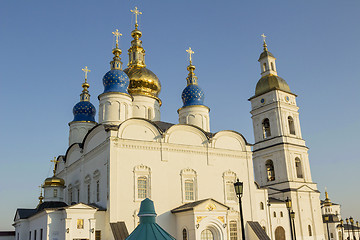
<point x="288" y="206"/>
<point x="352" y="227"/>
<point x="347" y="222"/>
<point x="342" y="229"/>
<point x="239" y="187"/>
<point x="326" y="218"/>
<point x="292" y="214"/>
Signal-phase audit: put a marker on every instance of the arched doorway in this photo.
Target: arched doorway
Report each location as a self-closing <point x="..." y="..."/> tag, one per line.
<point x="280" y="233"/>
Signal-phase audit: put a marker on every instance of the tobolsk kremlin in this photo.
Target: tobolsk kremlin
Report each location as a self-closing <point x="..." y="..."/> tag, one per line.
<point x="126" y="174"/>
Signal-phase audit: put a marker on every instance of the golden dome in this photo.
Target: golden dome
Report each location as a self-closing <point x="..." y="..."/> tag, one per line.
<point x="54" y="181"/>
<point x="143" y="82"/>
<point x="271" y="82"/>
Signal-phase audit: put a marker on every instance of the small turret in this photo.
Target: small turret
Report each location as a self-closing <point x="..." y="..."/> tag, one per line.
<point x="144" y="84"/>
<point x="193" y="111"/>
<point x="84" y="114"/>
<point x="54" y="187"/>
<point x="115" y="102"/>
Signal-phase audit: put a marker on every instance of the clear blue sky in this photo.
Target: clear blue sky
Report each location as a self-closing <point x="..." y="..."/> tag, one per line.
<point x="44" y="45"/>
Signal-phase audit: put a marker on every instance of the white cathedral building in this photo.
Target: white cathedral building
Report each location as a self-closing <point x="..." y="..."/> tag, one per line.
<point x="129" y="154"/>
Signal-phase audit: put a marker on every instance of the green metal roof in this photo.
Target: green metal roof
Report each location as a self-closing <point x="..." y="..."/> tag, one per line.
<point x="148" y="229"/>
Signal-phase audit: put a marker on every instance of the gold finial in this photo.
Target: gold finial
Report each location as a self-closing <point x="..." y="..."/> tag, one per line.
<point x="86" y="70"/>
<point x="85" y="96"/>
<point x="41" y="198"/>
<point x="264" y="44"/>
<point x="190" y="52"/>
<point x="55" y="162"/>
<point x="136" y="13"/>
<point x="117" y="35"/>
<point x="191" y="79"/>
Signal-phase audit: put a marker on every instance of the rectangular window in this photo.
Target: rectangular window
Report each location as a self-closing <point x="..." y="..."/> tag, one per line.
<point x="80" y="224"/>
<point x="98" y="191"/>
<point x="55" y="192"/>
<point x="97" y="235"/>
<point x="78" y="194"/>
<point x="142" y="187"/>
<point x="189" y="190"/>
<point x="70" y="196"/>
<point x="230" y="191"/>
<point x="233" y="230"/>
<point x="35" y="234"/>
<point x="88" y="193"/>
<point x="30" y="235"/>
<point x="41" y="234"/>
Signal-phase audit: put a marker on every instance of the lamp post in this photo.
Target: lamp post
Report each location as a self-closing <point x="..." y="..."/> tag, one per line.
<point x="292" y="214"/>
<point x="342" y="229"/>
<point x="352" y="227"/>
<point x="239" y="187"/>
<point x="347" y="222"/>
<point x="288" y="206"/>
<point x="326" y="218"/>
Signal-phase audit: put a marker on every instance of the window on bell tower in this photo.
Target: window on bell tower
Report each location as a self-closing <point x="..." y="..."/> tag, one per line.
<point x="298" y="167"/>
<point x="272" y="66"/>
<point x="264" y="67"/>
<point x="266" y="128"/>
<point x="270" y="170"/>
<point x="291" y="125"/>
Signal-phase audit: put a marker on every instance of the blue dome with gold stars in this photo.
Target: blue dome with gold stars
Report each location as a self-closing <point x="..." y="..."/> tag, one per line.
<point x="193" y="95"/>
<point x="84" y="111"/>
<point x="116" y="80"/>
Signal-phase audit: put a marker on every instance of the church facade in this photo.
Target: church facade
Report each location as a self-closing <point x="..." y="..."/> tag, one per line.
<point x="188" y="171"/>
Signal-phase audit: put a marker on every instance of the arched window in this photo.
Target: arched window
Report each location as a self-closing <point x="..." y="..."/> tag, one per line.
<point x="230" y="191"/>
<point x="331" y="235"/>
<point x="272" y="66"/>
<point x="264" y="67"/>
<point x="88" y="193"/>
<point x="310" y="232"/>
<point x="188" y="184"/>
<point x="142" y="187"/>
<point x="98" y="190"/>
<point x="281" y="214"/>
<point x="70" y="194"/>
<point x="266" y="128"/>
<point x="261" y="206"/>
<point x="55" y="192"/>
<point x="340" y="235"/>
<point x="233" y="230"/>
<point x="298" y="167"/>
<point x="270" y="170"/>
<point x="274" y="214"/>
<point x="149" y="113"/>
<point x="184" y="234"/>
<point x="189" y="189"/>
<point x="291" y="125"/>
<point x="207" y="235"/>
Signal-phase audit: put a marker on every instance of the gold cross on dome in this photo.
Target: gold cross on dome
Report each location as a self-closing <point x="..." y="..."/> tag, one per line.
<point x="117" y="35"/>
<point x="136" y="13"/>
<point x="86" y="70"/>
<point x="55" y="162"/>
<point x="263" y="36"/>
<point x="190" y="52"/>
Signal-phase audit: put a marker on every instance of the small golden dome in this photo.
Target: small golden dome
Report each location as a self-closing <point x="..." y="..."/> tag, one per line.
<point x="143" y="82"/>
<point x="271" y="82"/>
<point x="54" y="181"/>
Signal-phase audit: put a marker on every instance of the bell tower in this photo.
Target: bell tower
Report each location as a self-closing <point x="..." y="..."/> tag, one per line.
<point x="280" y="155"/>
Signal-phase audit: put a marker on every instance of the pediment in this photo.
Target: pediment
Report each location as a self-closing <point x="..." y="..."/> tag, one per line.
<point x="205" y="205"/>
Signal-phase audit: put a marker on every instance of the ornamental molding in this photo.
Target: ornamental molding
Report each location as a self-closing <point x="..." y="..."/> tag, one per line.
<point x="159" y="146"/>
